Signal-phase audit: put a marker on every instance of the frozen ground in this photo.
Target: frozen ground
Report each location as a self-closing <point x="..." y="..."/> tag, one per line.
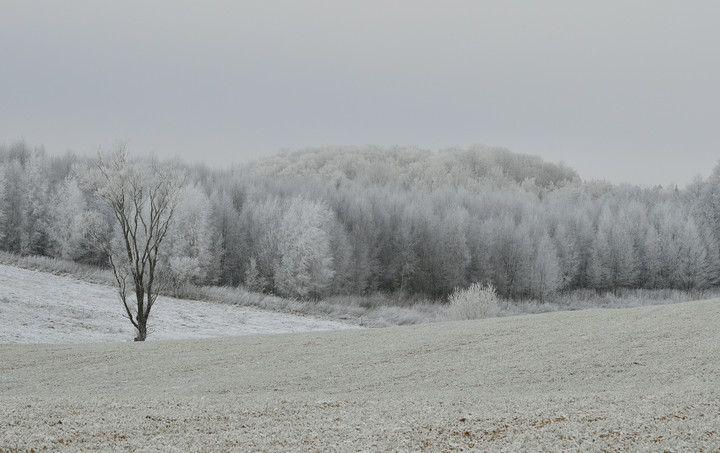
<point x="38" y="307"/>
<point x="640" y="379"/>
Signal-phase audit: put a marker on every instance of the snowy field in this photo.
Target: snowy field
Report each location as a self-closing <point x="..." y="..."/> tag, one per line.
<point x="640" y="379"/>
<point x="38" y="307"/>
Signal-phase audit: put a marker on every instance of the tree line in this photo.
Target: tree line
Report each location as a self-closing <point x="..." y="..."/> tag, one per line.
<point x="331" y="221"/>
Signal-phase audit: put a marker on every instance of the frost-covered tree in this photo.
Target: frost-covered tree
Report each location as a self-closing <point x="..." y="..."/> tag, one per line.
<point x="14" y="206"/>
<point x="402" y="219"/>
<point x="2" y="203"/>
<point x="356" y="209"/>
<point x="537" y="265"/>
<point x="473" y="168"/>
<point x="305" y="269"/>
<point x="508" y="247"/>
<point x="34" y="238"/>
<point x="341" y="254"/>
<point x="422" y="279"/>
<point x="262" y="222"/>
<point x="570" y="225"/>
<point x="478" y="269"/>
<point x="546" y="273"/>
<point x="253" y="280"/>
<point x="66" y="228"/>
<point x="613" y="262"/>
<point x="451" y="255"/>
<point x="226" y="241"/>
<point x="143" y="197"/>
<point x="568" y="255"/>
<point x="26" y="200"/>
<point x="404" y="261"/>
<point x="187" y="253"/>
<point x="708" y="206"/>
<point x="677" y="252"/>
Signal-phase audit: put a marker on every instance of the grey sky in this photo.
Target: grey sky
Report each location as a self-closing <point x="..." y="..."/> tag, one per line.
<point x="619" y="90"/>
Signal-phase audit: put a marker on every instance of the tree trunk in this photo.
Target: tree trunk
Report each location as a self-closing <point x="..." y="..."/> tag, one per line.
<point x="141" y="328"/>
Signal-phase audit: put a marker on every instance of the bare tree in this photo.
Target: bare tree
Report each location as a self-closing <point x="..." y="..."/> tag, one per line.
<point x="143" y="199"/>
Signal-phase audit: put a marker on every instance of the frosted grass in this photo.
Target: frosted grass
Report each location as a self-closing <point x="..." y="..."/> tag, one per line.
<point x="39" y="307"/>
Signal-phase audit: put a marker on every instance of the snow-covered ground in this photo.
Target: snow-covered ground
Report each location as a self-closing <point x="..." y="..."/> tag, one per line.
<point x="38" y="307"/>
<point x="640" y="379"/>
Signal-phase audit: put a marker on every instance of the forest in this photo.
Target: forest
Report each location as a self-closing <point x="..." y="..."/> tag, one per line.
<point x="334" y="221"/>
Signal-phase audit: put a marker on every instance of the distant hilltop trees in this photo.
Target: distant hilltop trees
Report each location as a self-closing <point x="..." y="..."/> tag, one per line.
<point x="472" y="169"/>
<point x="332" y="221"/>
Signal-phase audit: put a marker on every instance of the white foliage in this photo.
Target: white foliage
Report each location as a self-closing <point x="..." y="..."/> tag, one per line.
<point x="25" y="204"/>
<point x="305" y="268"/>
<point x="226" y="239"/>
<point x="523" y="259"/>
<point x="189" y="234"/>
<point x="476" y="302"/>
<point x="359" y="220"/>
<point x="36" y="216"/>
<point x="613" y="260"/>
<point x="143" y="198"/>
<point x="451" y="253"/>
<point x="2" y="202"/>
<point x="544" y="273"/>
<point x="186" y="255"/>
<point x="66" y="229"/>
<point x="263" y="220"/>
<point x="253" y="280"/>
<point x="676" y="254"/>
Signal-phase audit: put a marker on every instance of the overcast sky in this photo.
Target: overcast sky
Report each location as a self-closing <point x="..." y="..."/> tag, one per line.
<point x="627" y="91"/>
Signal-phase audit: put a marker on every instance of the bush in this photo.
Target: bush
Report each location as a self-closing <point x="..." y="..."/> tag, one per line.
<point x="476" y="302"/>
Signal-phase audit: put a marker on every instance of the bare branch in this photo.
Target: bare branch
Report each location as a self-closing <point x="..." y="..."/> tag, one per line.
<point x="143" y="204"/>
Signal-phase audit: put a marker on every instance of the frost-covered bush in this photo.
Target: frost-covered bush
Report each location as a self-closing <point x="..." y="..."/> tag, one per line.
<point x="180" y="274"/>
<point x="476" y="302"/>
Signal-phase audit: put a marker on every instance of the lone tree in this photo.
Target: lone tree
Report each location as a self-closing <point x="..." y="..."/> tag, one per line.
<point x="143" y="197"/>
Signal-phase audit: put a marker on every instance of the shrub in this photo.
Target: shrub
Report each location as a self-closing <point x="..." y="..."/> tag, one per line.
<point x="476" y="302"/>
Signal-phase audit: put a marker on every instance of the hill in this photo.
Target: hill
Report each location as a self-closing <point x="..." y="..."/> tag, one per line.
<point x="404" y="222"/>
<point x="39" y="307"/>
<point x="595" y="380"/>
<point x="470" y="168"/>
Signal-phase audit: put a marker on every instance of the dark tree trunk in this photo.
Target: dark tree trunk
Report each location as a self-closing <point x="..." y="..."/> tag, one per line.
<point x="143" y="201"/>
<point x="141" y="328"/>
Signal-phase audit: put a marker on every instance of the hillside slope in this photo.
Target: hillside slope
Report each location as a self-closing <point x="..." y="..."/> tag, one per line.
<point x="633" y="379"/>
<point x="470" y="168"/>
<point x="38" y="307"/>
